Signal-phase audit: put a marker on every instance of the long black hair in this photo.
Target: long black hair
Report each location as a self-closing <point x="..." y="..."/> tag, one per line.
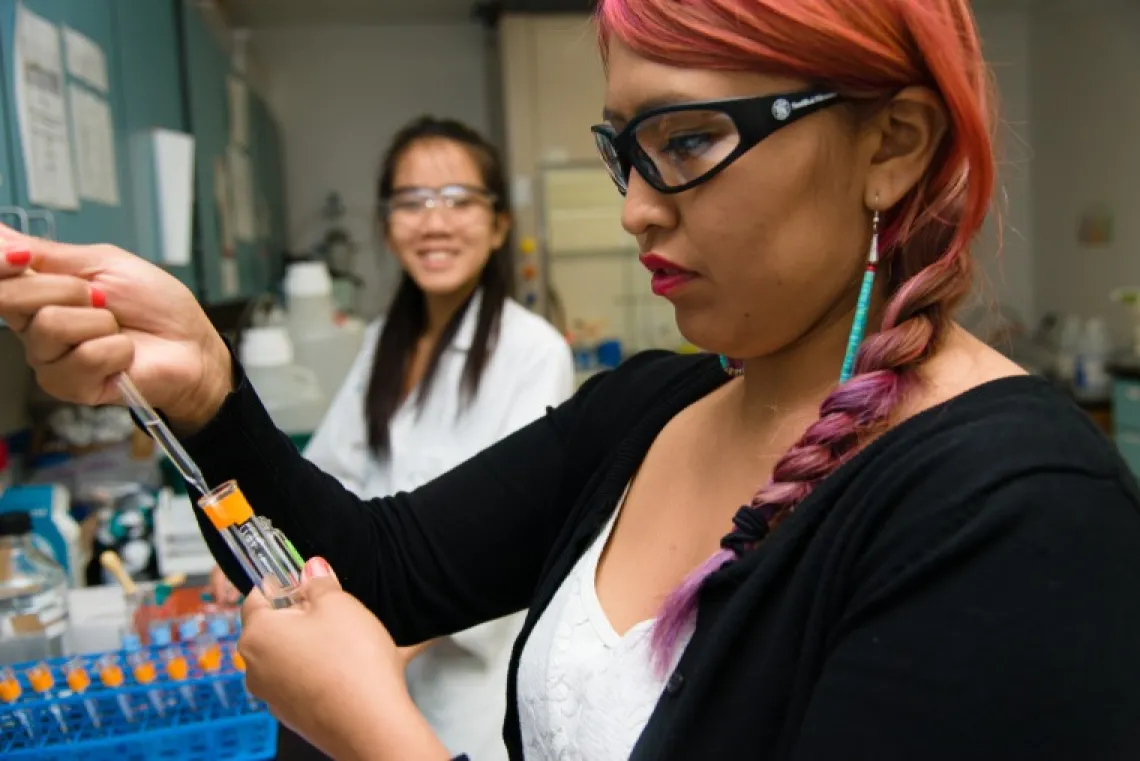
<point x="407" y="317"/>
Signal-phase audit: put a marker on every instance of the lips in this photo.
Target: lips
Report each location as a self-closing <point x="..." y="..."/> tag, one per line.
<point x="667" y="276"/>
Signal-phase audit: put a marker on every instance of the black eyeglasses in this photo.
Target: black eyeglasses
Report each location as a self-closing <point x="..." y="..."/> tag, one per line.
<point x="680" y="146"/>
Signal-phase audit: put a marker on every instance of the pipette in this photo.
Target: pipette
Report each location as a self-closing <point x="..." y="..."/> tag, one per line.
<point x="161" y="433"/>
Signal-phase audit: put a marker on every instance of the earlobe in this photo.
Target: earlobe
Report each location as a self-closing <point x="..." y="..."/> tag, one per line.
<point x="912" y="127"/>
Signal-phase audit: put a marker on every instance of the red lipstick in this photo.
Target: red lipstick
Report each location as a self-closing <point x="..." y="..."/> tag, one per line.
<point x="667" y="276"/>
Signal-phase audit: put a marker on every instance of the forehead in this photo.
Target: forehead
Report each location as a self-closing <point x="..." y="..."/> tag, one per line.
<point x="635" y="84"/>
<point x="434" y="163"/>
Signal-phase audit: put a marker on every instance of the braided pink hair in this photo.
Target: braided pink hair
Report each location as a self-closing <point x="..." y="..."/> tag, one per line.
<point x="866" y="50"/>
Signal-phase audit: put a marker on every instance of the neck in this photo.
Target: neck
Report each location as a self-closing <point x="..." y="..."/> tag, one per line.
<point x="790" y="385"/>
<point x="441" y="307"/>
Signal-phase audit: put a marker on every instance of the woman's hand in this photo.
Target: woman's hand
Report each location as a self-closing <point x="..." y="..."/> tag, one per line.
<point x="51" y="294"/>
<point x="222" y="589"/>
<point x="329" y="670"/>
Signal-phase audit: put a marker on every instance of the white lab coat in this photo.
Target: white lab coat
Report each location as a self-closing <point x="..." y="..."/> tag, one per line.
<point x="459" y="683"/>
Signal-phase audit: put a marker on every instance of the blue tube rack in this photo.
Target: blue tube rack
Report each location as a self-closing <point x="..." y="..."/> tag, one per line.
<point x="224" y="722"/>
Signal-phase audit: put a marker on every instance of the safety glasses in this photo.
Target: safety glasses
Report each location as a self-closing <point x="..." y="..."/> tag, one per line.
<point x="678" y="147"/>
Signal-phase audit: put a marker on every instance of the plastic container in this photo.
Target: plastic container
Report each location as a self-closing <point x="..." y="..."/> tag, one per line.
<point x="322" y="342"/>
<point x="1068" y="347"/>
<point x="1092" y="380"/>
<point x="292" y="394"/>
<point x="33" y="595"/>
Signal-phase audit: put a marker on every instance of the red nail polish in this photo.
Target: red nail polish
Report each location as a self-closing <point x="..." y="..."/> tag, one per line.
<point x="98" y="298"/>
<point x="18" y="258"/>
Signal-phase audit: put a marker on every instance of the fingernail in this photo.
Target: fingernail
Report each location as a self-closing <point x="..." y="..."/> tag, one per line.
<point x="98" y="298"/>
<point x="18" y="258"/>
<point x="317" y="568"/>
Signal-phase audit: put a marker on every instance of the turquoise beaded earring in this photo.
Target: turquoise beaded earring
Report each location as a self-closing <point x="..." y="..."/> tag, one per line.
<point x="735" y="368"/>
<point x="859" y="326"/>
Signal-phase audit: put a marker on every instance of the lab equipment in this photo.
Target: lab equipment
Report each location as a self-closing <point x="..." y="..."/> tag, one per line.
<point x="79" y="680"/>
<point x="236" y="730"/>
<point x="33" y="595"/>
<point x="158" y="430"/>
<point x="264" y="553"/>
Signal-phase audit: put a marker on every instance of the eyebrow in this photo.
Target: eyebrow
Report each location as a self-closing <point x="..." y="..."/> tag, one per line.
<point x="657" y="101"/>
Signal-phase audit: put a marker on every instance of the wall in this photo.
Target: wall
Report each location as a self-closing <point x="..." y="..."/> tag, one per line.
<point x="1008" y="262"/>
<point x="1086" y="116"/>
<point x="340" y="93"/>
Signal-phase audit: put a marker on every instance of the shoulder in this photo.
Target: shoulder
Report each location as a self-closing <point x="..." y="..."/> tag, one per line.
<point x="524" y="333"/>
<point x="1004" y="429"/>
<point x="1010" y="468"/>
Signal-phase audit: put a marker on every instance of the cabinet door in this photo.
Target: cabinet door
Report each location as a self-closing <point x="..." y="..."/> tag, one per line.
<point x="93" y="221"/>
<point x="7" y="129"/>
<point x="271" y="190"/>
<point x="146" y="36"/>
<point x="228" y="272"/>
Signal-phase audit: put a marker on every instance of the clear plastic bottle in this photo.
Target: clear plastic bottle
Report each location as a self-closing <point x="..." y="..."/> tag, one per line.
<point x="33" y="595"/>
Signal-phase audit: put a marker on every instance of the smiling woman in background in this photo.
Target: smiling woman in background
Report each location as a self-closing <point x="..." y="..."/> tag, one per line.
<point x="454" y="366"/>
<point x="820" y="545"/>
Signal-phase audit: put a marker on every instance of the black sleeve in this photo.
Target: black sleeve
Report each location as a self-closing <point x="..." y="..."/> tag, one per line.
<point x="1010" y="631"/>
<point x="465" y="548"/>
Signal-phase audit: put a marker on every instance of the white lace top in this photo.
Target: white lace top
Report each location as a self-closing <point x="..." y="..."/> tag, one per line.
<point x="585" y="693"/>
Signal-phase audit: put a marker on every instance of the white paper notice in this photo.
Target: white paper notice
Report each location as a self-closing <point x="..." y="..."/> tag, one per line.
<point x="94" y="147"/>
<point x="242" y="194"/>
<point x="239" y="112"/>
<point x="85" y="59"/>
<point x="42" y="112"/>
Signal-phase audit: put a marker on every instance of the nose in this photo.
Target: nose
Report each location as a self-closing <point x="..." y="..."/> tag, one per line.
<point x="435" y="218"/>
<point x="645" y="209"/>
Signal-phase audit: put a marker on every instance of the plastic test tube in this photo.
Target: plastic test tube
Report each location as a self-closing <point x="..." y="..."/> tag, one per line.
<point x="79" y="680"/>
<point x="142" y="669"/>
<point x="42" y="681"/>
<point x="10" y="692"/>
<point x="209" y="651"/>
<point x="111" y="677"/>
<point x="264" y="553"/>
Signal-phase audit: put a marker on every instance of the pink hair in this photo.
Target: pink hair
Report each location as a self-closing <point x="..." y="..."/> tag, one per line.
<point x="864" y="50"/>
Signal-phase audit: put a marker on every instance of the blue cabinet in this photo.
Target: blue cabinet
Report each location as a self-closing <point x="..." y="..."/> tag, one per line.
<point x="267" y="164"/>
<point x="91" y="222"/>
<point x="166" y="69"/>
<point x="150" y="78"/>
<point x="1126" y="420"/>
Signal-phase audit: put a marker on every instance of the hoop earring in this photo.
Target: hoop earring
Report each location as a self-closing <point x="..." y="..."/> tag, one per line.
<point x="733" y="367"/>
<point x="859" y="326"/>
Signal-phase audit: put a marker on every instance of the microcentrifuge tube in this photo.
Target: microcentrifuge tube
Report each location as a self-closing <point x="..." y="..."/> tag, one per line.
<point x="143" y="670"/>
<point x="111" y="677"/>
<point x="79" y="680"/>
<point x="210" y="654"/>
<point x="42" y="681"/>
<point x="10" y="692"/>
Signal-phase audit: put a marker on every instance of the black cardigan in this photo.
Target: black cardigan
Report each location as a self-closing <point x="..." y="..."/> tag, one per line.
<point x="967" y="587"/>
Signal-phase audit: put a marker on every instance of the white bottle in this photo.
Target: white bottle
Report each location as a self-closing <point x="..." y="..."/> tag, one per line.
<point x="1067" y="349"/>
<point x="291" y="394"/>
<point x="1093" y="354"/>
<point x="322" y="343"/>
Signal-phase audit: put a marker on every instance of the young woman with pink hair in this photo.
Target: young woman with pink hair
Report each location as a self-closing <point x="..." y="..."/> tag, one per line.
<point x="942" y="561"/>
